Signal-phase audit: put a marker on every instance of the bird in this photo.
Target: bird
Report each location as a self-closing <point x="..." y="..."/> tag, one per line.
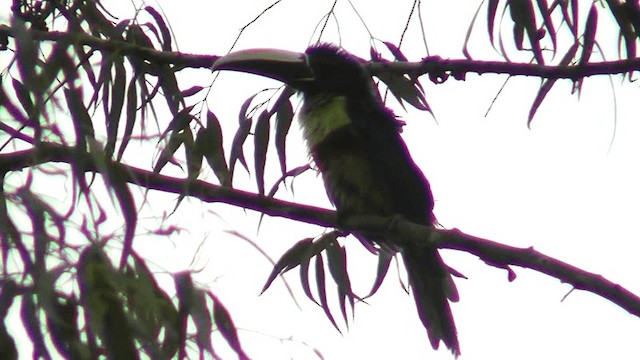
<point x="355" y="142"/>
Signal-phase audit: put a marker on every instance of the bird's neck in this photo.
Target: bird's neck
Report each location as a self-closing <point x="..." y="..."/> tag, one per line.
<point x="322" y="115"/>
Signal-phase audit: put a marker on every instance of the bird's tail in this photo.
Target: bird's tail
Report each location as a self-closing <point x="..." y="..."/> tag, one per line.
<point x="433" y="288"/>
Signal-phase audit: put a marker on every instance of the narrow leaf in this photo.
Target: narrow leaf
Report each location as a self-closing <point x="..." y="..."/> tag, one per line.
<point x="192" y="90"/>
<point x="395" y="51"/>
<point x="8" y="350"/>
<point x="28" y="314"/>
<point x="237" y="145"/>
<point x="548" y="22"/>
<point x="547" y="84"/>
<point x="322" y="291"/>
<point x="194" y="301"/>
<point x="175" y="141"/>
<point x="209" y="143"/>
<point x="492" y="8"/>
<point x="384" y="261"/>
<point x="261" y="143"/>
<point x="337" y="263"/>
<point x="225" y="325"/>
<point x="290" y="259"/>
<point x="291" y="173"/>
<point x="405" y="89"/>
<point x="122" y="192"/>
<point x="524" y="19"/>
<point x="83" y="125"/>
<point x="24" y="96"/>
<point x="164" y="29"/>
<point x="284" y="118"/>
<point x="318" y="246"/>
<point x="117" y="103"/>
<point x="589" y="36"/>
<point x="132" y="106"/>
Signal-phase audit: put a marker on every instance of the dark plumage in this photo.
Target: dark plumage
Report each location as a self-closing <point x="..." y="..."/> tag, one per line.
<point x="366" y="167"/>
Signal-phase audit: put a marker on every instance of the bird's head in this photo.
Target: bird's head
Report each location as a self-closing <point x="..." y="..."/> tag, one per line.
<point x="321" y="68"/>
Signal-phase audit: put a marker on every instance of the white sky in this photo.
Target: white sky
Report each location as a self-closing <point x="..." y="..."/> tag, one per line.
<point x="566" y="186"/>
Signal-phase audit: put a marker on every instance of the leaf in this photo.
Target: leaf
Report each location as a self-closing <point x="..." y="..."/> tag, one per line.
<point x="284" y="118"/>
<point x="322" y="292"/>
<point x="492" y="8"/>
<point x="122" y="192"/>
<point x="304" y="276"/>
<point x="175" y="141"/>
<point x="225" y="326"/>
<point x="164" y="29"/>
<point x="8" y="294"/>
<point x="191" y="91"/>
<point x="7" y="344"/>
<point x="170" y="90"/>
<point x="291" y="173"/>
<point x="15" y="113"/>
<point x="180" y="122"/>
<point x="103" y="84"/>
<point x="546" y="86"/>
<point x="395" y="51"/>
<point x="384" y="260"/>
<point x="81" y="120"/>
<point x="405" y="89"/>
<point x="589" y="35"/>
<point x="575" y="12"/>
<point x="146" y="298"/>
<point x="375" y="55"/>
<point x="548" y="22"/>
<point x="399" y="56"/>
<point x="179" y="127"/>
<point x="337" y="263"/>
<point x="290" y="259"/>
<point x="62" y="320"/>
<point x="244" y="128"/>
<point x="24" y="96"/>
<point x="192" y="155"/>
<point x="36" y="211"/>
<point x="28" y="312"/>
<point x="26" y="51"/>
<point x="193" y="301"/>
<point x="318" y="246"/>
<point x="132" y="105"/>
<point x="261" y="143"/>
<point x="10" y="235"/>
<point x="99" y="284"/>
<point x="153" y="310"/>
<point x="117" y="103"/>
<point x="136" y="35"/>
<point x="524" y="19"/>
<point x="465" y="47"/>
<point x="209" y="144"/>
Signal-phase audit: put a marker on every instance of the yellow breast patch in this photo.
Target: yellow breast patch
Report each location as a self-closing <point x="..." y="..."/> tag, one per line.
<point x="329" y="114"/>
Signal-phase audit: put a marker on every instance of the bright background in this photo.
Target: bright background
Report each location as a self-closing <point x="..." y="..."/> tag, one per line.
<point x="568" y="186"/>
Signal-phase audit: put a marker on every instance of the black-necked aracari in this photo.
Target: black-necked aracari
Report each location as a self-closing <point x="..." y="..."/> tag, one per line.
<point x="354" y="141"/>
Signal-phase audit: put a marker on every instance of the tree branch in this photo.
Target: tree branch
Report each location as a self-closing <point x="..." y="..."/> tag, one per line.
<point x="458" y="68"/>
<point x="499" y="255"/>
<point x="123" y="47"/>
<point x="434" y="65"/>
<point x="493" y="253"/>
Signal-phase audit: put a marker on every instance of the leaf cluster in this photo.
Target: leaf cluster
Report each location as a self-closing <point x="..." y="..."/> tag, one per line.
<point x="96" y="100"/>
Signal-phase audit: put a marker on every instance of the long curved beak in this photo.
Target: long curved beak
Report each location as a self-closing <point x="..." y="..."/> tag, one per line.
<point x="286" y="66"/>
